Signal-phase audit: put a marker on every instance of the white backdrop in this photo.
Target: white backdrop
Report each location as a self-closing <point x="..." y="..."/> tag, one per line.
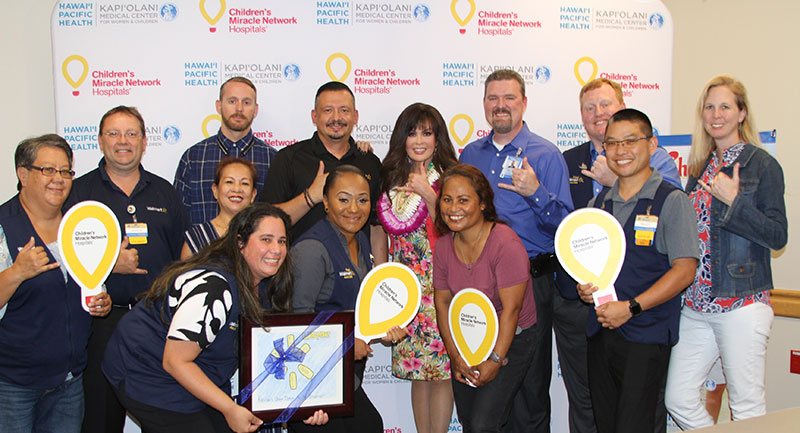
<point x="169" y="58"/>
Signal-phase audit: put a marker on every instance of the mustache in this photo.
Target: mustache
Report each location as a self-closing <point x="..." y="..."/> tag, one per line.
<point x="336" y="123"/>
<point x="501" y="110"/>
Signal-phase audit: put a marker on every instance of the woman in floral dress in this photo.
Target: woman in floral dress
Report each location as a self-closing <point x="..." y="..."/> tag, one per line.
<point x="419" y="151"/>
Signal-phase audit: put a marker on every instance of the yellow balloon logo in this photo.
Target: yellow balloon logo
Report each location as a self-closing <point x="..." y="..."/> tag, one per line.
<point x="212" y="20"/>
<point x="82" y="76"/>
<point x="473" y="325"/>
<point x="206" y="121"/>
<point x="462" y="21"/>
<point x="462" y="141"/>
<point x="347" y="63"/>
<point x="578" y="64"/>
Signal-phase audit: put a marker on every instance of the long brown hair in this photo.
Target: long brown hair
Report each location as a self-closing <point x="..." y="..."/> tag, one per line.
<point x="396" y="167"/>
<point x="225" y="252"/>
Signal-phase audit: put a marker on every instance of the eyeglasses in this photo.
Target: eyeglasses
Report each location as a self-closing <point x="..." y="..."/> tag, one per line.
<point x="51" y="171"/>
<point x="117" y="134"/>
<point x="613" y="144"/>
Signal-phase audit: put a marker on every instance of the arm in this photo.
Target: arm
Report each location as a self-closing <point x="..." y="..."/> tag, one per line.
<point x="379" y="243"/>
<point x="310" y="269"/>
<point x="179" y="362"/>
<point x="760" y="215"/>
<point x="665" y="164"/>
<point x="298" y="206"/>
<point x="186" y="252"/>
<point x="551" y="199"/>
<point x="181" y="182"/>
<point x="31" y="261"/>
<point x="616" y="313"/>
<point x="128" y="260"/>
<point x="511" y="298"/>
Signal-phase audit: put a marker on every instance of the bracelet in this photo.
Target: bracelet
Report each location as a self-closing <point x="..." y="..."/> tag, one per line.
<point x="307" y="196"/>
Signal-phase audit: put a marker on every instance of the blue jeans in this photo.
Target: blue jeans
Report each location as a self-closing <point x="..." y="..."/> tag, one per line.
<point x="486" y="408"/>
<point x="56" y="410"/>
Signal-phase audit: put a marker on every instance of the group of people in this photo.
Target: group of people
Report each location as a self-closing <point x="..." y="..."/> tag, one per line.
<point x="247" y="231"/>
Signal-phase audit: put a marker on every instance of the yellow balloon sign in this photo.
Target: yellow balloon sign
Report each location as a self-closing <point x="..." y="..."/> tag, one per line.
<point x="590" y="244"/>
<point x="212" y="20"/>
<point x="578" y="64"/>
<point x="89" y="241"/>
<point x="82" y="76"/>
<point x="206" y="121"/>
<point x="462" y="141"/>
<point x="462" y="21"/>
<point x="389" y="296"/>
<point x="348" y="65"/>
<point x="473" y="324"/>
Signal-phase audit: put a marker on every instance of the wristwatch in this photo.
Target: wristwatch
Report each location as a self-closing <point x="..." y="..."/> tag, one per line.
<point x="635" y="308"/>
<point x="496" y="358"/>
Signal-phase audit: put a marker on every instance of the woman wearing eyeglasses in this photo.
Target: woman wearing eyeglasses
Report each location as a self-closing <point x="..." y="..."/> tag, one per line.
<point x="43" y="327"/>
<point x="736" y="188"/>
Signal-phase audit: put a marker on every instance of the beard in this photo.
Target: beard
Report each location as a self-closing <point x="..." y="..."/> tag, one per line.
<point x="242" y="125"/>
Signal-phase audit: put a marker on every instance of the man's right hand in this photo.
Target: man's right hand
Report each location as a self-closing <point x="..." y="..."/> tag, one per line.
<point x="315" y="190"/>
<point x="128" y="260"/>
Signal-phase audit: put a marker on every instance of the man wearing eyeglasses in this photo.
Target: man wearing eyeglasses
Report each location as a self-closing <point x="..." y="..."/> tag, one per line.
<point x="588" y="174"/>
<point x="630" y="339"/>
<point x="194" y="176"/>
<point x="152" y="220"/>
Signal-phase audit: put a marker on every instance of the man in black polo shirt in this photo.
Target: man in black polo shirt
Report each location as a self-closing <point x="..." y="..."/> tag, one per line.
<point x="297" y="174"/>
<point x="152" y="219"/>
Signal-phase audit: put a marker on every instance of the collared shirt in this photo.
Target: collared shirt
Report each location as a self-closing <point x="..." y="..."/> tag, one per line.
<point x="698" y="296"/>
<point x="153" y="202"/>
<point x="660" y="160"/>
<point x="296" y="166"/>
<point x="676" y="234"/>
<point x="535" y="218"/>
<point x="195" y="173"/>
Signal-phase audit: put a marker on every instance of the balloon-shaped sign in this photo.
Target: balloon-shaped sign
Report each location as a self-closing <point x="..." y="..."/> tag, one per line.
<point x="389" y="296"/>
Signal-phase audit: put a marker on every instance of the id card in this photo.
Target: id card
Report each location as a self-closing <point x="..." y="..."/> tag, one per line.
<point x="136" y="233"/>
<point x="509" y="165"/>
<point x="644" y="229"/>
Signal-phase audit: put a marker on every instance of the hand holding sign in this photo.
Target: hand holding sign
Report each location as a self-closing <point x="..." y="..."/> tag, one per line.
<point x="89" y="242"/>
<point x="474" y="325"/>
<point x="389" y="296"/>
<point x="590" y="245"/>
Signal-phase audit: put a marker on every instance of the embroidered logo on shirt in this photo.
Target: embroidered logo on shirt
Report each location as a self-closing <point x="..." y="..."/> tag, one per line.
<point x="157" y="209"/>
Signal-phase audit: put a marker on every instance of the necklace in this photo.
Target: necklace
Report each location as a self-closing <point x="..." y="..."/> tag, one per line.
<point x="403" y="212"/>
<point x="474" y="247"/>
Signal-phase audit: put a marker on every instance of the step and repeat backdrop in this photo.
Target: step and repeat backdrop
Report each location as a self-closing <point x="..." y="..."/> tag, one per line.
<point x="169" y="58"/>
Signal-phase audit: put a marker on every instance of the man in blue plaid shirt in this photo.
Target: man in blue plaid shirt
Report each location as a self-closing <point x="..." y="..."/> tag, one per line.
<point x="195" y="174"/>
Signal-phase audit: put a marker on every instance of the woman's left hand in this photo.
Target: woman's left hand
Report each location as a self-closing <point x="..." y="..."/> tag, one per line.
<point x="320" y="417"/>
<point x="487" y="372"/>
<point x="100" y="305"/>
<point x="394" y="335"/>
<point x="724" y="188"/>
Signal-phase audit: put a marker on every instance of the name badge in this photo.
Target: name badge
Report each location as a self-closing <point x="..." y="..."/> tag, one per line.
<point x="509" y="165"/>
<point x="644" y="229"/>
<point x="136" y="233"/>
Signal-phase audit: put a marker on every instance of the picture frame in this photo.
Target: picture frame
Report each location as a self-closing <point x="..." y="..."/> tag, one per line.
<point x="271" y="395"/>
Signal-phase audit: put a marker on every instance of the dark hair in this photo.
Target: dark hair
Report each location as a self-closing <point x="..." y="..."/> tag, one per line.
<point x="337" y="172"/>
<point x="28" y="149"/>
<point x="226" y="253"/>
<point x="242" y="80"/>
<point x="634" y="116"/>
<point x="130" y="111"/>
<point x="396" y="165"/>
<point x="481" y="186"/>
<point x="224" y="162"/>
<point x="334" y="86"/>
<point x="505" y="74"/>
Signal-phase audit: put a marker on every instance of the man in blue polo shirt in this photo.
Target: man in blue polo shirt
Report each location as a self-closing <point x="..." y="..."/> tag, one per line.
<point x="195" y="174"/>
<point x="529" y="178"/>
<point x="630" y="339"/>
<point x="153" y="221"/>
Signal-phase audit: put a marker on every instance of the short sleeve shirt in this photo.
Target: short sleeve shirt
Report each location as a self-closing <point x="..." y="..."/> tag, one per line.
<point x="200" y="302"/>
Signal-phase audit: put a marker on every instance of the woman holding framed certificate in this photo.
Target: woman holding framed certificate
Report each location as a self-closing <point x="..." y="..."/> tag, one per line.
<point x="476" y="251"/>
<point x="171" y="358"/>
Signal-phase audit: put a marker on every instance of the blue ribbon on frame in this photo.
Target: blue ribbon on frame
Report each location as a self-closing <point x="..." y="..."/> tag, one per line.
<point x="275" y="365"/>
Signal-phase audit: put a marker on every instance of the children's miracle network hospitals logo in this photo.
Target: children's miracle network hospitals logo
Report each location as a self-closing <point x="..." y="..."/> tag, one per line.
<point x="461" y="13"/>
<point x="77" y="79"/>
<point x="462" y="140"/>
<point x="217" y="14"/>
<point x="348" y="66"/>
